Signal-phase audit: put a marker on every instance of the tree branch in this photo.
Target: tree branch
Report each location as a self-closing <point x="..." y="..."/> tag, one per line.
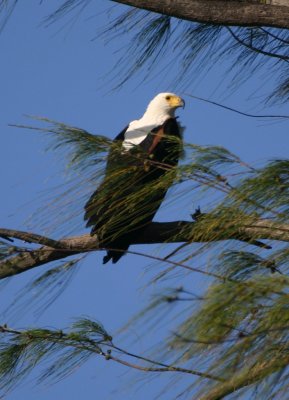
<point x="63" y="338"/>
<point x="220" y="12"/>
<point x="156" y="232"/>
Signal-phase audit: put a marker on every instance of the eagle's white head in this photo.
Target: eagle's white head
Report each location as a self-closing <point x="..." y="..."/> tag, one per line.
<point x="165" y="103"/>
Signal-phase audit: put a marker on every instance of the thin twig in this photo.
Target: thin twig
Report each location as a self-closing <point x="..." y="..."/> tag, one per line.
<point x="95" y="348"/>
<point x="235" y="110"/>
<point x="256" y="49"/>
<point x="274" y="36"/>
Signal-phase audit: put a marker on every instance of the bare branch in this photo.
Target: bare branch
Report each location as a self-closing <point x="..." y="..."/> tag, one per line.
<point x="156" y="232"/>
<point x="219" y="12"/>
<point x="29" y="238"/>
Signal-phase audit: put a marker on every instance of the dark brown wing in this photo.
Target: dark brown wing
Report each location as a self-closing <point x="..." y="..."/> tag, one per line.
<point x="122" y="207"/>
<point x="92" y="208"/>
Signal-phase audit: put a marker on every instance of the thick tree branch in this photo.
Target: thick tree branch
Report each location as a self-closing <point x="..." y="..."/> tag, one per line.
<point x="220" y="12"/>
<point x="156" y="232"/>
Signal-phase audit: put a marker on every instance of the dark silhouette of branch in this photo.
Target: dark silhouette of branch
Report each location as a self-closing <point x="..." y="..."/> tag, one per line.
<point x="280" y="39"/>
<point x="156" y="232"/>
<point x="261" y="116"/>
<point x="256" y="49"/>
<point x="219" y="12"/>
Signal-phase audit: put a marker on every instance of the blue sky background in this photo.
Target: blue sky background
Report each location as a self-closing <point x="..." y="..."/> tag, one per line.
<point x="59" y="72"/>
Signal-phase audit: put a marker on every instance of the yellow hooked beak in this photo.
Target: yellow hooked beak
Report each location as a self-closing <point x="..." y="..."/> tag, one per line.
<point x="175" y="101"/>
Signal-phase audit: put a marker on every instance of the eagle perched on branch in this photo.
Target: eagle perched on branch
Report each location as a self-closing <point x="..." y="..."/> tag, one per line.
<point x="140" y="170"/>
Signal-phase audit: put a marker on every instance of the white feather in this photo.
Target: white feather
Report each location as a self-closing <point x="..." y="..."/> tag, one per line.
<point x="157" y="112"/>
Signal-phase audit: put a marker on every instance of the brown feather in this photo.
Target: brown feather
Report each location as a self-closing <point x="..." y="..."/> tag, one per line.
<point x="157" y="138"/>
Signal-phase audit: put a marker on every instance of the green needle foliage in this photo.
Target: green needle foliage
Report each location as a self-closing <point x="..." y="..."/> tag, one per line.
<point x="196" y="48"/>
<point x="84" y="149"/>
<point x="242" y="323"/>
<point x="21" y="351"/>
<point x="269" y="188"/>
<point x="154" y="40"/>
<point x="235" y="329"/>
<point x="232" y="335"/>
<point x="42" y="291"/>
<point x="6" y="9"/>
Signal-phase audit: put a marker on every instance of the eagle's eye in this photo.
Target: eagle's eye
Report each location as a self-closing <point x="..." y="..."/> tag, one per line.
<point x="168" y="97"/>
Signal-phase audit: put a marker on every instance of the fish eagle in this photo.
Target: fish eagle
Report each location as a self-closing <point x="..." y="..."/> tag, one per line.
<point x="140" y="169"/>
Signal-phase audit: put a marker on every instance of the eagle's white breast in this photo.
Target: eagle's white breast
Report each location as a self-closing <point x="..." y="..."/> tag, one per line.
<point x="138" y="130"/>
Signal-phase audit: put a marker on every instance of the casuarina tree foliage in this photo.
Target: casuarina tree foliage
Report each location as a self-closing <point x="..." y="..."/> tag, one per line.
<point x="231" y="339"/>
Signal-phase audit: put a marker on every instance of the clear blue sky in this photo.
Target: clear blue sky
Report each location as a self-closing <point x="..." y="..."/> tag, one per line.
<point x="58" y="72"/>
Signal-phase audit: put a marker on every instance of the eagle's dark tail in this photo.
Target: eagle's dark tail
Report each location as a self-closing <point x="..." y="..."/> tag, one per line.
<point x="113" y="255"/>
<point x="117" y="248"/>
